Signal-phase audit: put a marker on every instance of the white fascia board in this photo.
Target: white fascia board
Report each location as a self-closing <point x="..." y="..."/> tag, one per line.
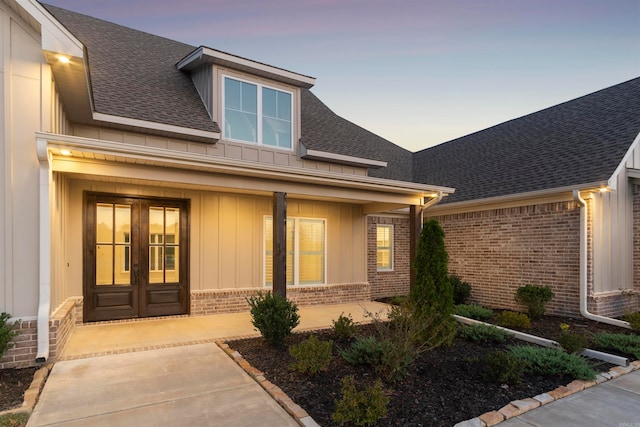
<point x="613" y="181"/>
<point x="55" y="37"/>
<point x="593" y="186"/>
<point x="633" y="173"/>
<point x="181" y="159"/>
<point x="127" y="121"/>
<point x="341" y="158"/>
<point x="209" y="55"/>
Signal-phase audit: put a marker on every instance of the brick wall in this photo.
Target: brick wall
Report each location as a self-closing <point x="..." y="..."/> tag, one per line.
<point x="234" y="300"/>
<point x="23" y="353"/>
<point x="499" y="250"/>
<point x="389" y="283"/>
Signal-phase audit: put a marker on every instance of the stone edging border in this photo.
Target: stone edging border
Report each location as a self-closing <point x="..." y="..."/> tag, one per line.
<point x="518" y="407"/>
<point x="299" y="414"/>
<point x="488" y="419"/>
<point x="33" y="392"/>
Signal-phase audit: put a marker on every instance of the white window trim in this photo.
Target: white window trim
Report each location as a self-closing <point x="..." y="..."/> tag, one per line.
<point x="296" y="252"/>
<point x="391" y="247"/>
<point x="259" y="114"/>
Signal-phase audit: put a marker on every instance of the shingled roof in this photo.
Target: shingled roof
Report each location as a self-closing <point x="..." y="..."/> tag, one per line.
<point x="133" y="73"/>
<point x="571" y="144"/>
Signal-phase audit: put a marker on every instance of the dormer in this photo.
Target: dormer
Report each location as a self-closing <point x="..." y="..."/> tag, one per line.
<point x="254" y="103"/>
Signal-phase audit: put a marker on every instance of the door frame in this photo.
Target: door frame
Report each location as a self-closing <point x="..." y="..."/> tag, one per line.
<point x="141" y="291"/>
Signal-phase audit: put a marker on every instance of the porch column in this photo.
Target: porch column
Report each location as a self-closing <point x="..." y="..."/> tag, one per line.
<point x="415" y="228"/>
<point x="280" y="244"/>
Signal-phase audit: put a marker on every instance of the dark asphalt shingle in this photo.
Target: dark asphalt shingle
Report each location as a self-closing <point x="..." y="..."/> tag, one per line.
<point x="576" y="142"/>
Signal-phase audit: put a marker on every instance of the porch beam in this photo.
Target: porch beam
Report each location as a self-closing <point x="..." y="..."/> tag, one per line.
<point x="280" y="244"/>
<point x="415" y="228"/>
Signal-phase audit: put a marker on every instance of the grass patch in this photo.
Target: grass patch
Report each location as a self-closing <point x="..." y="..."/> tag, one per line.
<point x="553" y="361"/>
<point x="14" y="420"/>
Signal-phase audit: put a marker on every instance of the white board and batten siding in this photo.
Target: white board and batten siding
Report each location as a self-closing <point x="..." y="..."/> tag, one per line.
<point x="613" y="231"/>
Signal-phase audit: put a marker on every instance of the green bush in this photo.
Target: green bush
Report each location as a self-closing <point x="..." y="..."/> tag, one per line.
<point x="503" y="368"/>
<point x="7" y="333"/>
<point x="513" y="319"/>
<point x="312" y="355"/>
<point x="363" y="351"/>
<point x="480" y="333"/>
<point x="344" y="327"/>
<point x="461" y="290"/>
<point x="360" y="408"/>
<point x="572" y="342"/>
<point x="634" y="320"/>
<point x="626" y="344"/>
<point x="474" y="311"/>
<point x="274" y="316"/>
<point x="553" y="361"/>
<point x="535" y="298"/>
<point x="431" y="297"/>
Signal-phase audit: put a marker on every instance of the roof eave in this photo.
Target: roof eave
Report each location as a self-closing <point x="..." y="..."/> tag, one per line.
<point x="203" y="55"/>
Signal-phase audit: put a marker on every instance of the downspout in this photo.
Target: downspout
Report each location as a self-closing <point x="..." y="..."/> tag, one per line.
<point x="583" y="268"/>
<point x="44" y="272"/>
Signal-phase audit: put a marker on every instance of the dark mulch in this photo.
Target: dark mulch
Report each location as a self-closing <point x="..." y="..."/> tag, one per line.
<point x="13" y="384"/>
<point x="441" y="388"/>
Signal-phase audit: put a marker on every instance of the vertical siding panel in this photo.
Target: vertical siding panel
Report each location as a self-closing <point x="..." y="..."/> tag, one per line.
<point x="228" y="211"/>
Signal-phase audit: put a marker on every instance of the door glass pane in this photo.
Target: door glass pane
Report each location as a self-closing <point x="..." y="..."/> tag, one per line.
<point x="104" y="223"/>
<point x="172" y="264"/>
<point x="172" y="228"/>
<point x="122" y="274"/>
<point x="104" y="264"/>
<point x="156" y="225"/>
<point x="123" y="223"/>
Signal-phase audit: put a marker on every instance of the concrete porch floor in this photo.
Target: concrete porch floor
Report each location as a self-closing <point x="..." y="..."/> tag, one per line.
<point x="98" y="339"/>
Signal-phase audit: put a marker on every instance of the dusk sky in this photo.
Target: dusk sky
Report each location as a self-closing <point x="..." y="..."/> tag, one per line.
<point x="417" y="72"/>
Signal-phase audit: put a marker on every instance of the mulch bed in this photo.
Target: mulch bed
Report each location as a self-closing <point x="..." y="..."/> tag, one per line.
<point x="13" y="384"/>
<point x="442" y="387"/>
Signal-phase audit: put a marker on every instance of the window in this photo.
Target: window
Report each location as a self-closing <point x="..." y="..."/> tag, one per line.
<point x="257" y="113"/>
<point x="306" y="251"/>
<point x="384" y="247"/>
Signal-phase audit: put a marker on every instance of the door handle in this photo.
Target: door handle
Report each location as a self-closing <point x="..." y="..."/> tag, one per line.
<point x="134" y="277"/>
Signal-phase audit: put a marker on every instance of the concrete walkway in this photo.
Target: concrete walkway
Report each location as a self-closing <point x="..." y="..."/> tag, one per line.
<point x="166" y="372"/>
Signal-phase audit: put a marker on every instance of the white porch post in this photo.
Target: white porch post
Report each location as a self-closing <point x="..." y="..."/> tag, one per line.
<point x="44" y="281"/>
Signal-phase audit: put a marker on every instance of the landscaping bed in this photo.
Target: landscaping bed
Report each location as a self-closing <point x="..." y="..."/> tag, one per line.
<point x="442" y="387"/>
<point x="13" y="384"/>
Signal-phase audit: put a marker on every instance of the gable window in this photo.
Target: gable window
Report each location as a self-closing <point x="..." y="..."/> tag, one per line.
<point x="384" y="246"/>
<point x="306" y="251"/>
<point x="257" y="113"/>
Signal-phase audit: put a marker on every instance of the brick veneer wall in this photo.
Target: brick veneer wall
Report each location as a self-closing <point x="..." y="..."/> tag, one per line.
<point x="234" y="300"/>
<point x="499" y="250"/>
<point x="389" y="283"/>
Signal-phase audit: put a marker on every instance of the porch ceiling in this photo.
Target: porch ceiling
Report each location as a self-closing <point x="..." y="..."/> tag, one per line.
<point x="127" y="163"/>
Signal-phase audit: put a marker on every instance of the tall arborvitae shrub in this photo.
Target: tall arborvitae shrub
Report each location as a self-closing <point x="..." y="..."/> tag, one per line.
<point x="431" y="296"/>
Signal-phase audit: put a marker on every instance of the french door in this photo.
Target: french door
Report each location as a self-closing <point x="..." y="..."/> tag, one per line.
<point x="136" y="255"/>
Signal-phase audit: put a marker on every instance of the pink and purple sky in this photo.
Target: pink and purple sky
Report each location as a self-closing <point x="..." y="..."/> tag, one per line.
<point x="417" y="72"/>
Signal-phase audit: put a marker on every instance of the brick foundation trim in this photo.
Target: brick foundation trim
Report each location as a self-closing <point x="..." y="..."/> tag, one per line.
<point x="218" y="301"/>
<point x="613" y="304"/>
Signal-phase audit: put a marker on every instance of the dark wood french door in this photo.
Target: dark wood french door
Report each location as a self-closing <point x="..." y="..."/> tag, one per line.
<point x="136" y="256"/>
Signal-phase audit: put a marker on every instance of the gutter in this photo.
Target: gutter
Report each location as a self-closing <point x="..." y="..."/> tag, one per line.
<point x="583" y="268"/>
<point x="437" y="198"/>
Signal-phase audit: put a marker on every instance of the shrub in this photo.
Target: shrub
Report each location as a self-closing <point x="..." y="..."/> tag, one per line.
<point x="480" y="333"/>
<point x="634" y="320"/>
<point x="431" y="297"/>
<point x="626" y="344"/>
<point x="274" y="316"/>
<point x="553" y="361"/>
<point x="461" y="290"/>
<point x="361" y="408"/>
<point x="513" y="319"/>
<point x="503" y="368"/>
<point x="474" y="311"/>
<point x="570" y="341"/>
<point x="312" y="355"/>
<point x="7" y="333"/>
<point x="363" y="351"/>
<point x="344" y="327"/>
<point x="535" y="298"/>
